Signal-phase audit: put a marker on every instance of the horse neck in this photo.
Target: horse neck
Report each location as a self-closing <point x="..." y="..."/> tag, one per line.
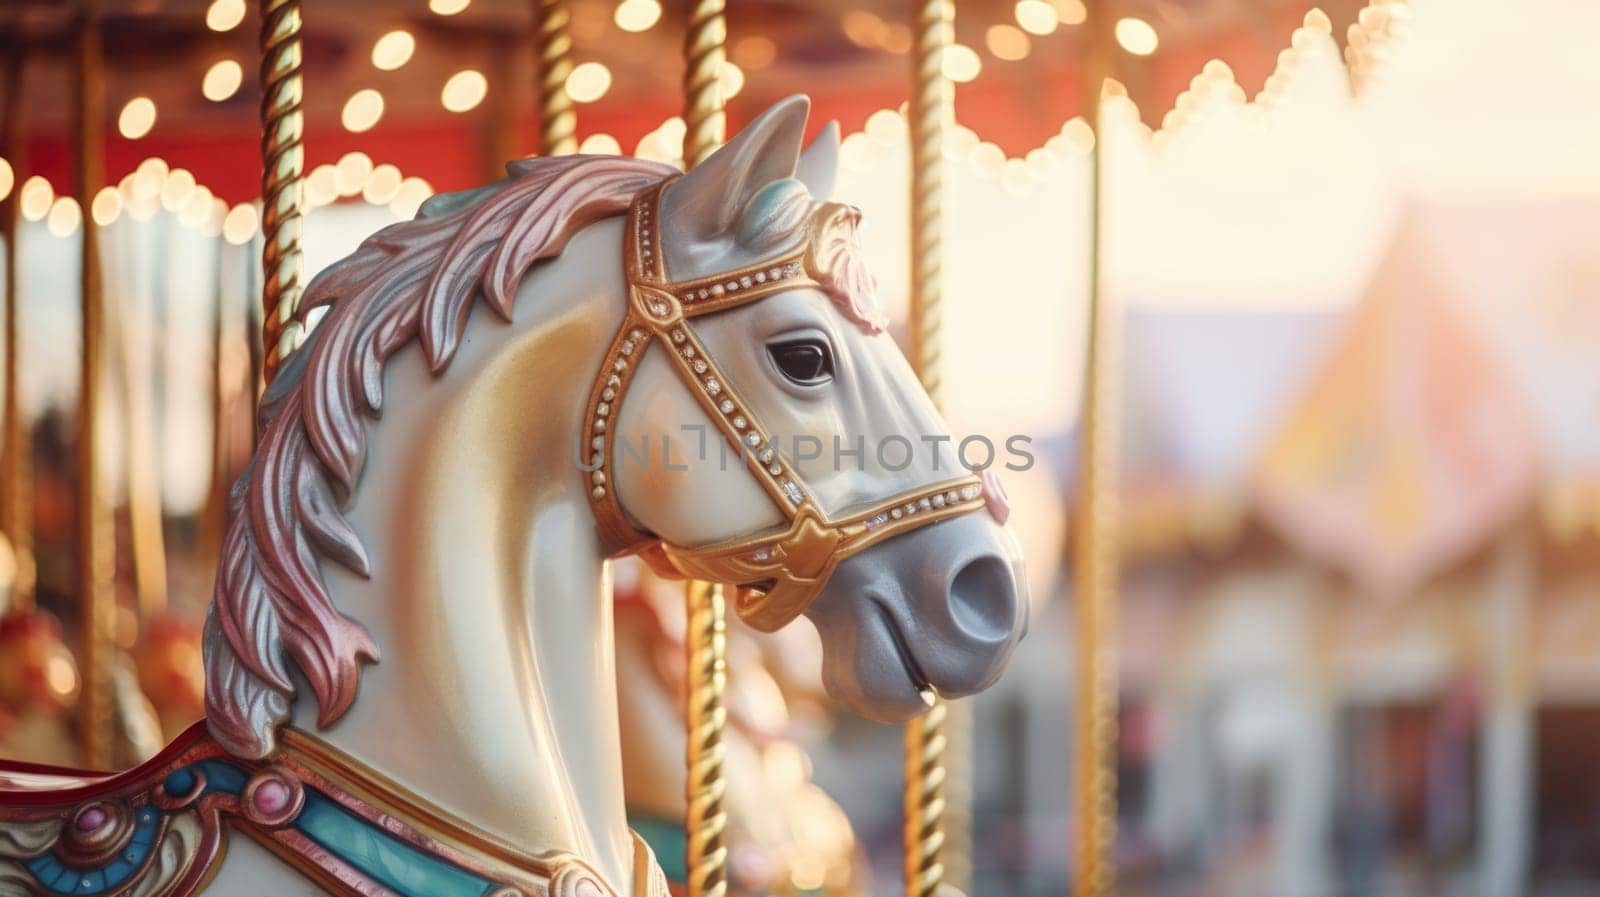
<point x="495" y="699"/>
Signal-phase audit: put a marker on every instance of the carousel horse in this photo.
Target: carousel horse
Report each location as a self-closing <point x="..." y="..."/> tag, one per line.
<point x="635" y="306"/>
<point x="781" y="828"/>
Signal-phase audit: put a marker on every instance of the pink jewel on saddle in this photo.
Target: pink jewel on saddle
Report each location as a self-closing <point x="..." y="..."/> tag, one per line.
<point x="91" y="819"/>
<point x="271" y="798"/>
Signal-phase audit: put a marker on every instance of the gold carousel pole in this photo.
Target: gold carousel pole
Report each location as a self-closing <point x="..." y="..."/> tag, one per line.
<point x="15" y="456"/>
<point x="558" y="123"/>
<point x="704" y="116"/>
<point x="283" y="159"/>
<point x="97" y="600"/>
<point x="705" y="640"/>
<point x="1096" y="554"/>
<point x="931" y="109"/>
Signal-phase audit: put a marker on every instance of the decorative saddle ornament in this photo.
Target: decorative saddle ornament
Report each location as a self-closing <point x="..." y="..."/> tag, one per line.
<point x="159" y="830"/>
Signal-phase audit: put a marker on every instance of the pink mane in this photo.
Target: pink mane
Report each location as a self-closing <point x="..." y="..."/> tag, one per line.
<point x="415" y="280"/>
<point x="841" y="268"/>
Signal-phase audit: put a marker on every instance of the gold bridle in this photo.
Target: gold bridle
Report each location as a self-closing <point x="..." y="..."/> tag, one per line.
<point x="778" y="573"/>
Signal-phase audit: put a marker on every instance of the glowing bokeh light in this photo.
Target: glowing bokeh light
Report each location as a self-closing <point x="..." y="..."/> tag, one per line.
<point x="886" y="126"/>
<point x="362" y="110"/>
<point x="409" y="198"/>
<point x="322" y="185"/>
<point x="754" y="52"/>
<point x="1137" y="36"/>
<point x="732" y="78"/>
<point x="224" y="15"/>
<point x="961" y="63"/>
<point x="897" y="38"/>
<point x="8" y="178"/>
<point x="864" y="28"/>
<point x="240" y="224"/>
<point x="35" y="198"/>
<point x="175" y="189"/>
<point x="222" y="80"/>
<point x="464" y="91"/>
<point x="393" y="50"/>
<point x="138" y="116"/>
<point x="1036" y="16"/>
<point x="600" y="145"/>
<point x="353" y="169"/>
<point x="65" y="216"/>
<point x="1007" y="42"/>
<point x="448" y="7"/>
<point x="1070" y="12"/>
<point x="637" y="15"/>
<point x="588" y="82"/>
<point x="382" y="185"/>
<point x="106" y="207"/>
<point x="1079" y="135"/>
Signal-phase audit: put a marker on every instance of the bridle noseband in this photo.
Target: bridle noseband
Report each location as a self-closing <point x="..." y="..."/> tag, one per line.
<point x="778" y="573"/>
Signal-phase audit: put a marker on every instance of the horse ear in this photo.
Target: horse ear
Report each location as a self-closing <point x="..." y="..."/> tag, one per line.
<point x="819" y="164"/>
<point x="708" y="202"/>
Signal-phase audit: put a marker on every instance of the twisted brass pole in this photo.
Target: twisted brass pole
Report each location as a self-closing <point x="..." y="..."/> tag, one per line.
<point x="283" y="158"/>
<point x="97" y="601"/>
<point x="704" y="110"/>
<point x="15" y="460"/>
<point x="707" y="822"/>
<point x="1096" y="555"/>
<point x="558" y="123"/>
<point x="931" y="110"/>
<point x="706" y="856"/>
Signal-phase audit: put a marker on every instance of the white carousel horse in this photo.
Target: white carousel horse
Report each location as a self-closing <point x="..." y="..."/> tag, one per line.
<point x="483" y="756"/>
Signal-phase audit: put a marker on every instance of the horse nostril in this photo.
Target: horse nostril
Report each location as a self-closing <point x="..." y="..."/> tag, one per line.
<point x="983" y="598"/>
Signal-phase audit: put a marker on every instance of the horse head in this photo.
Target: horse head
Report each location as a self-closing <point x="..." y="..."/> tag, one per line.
<point x="828" y="485"/>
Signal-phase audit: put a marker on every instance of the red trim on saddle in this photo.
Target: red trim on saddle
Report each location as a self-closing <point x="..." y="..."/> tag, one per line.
<point x="46" y="795"/>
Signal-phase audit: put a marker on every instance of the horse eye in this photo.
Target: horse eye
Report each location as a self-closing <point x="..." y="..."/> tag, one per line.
<point x="805" y="361"/>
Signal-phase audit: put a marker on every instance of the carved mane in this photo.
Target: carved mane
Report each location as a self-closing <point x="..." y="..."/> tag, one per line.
<point x="415" y="280"/>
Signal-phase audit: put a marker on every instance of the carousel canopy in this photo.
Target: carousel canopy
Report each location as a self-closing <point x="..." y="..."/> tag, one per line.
<point x="443" y="89"/>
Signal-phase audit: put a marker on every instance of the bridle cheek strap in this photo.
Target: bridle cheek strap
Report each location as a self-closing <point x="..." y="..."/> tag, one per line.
<point x="779" y="574"/>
